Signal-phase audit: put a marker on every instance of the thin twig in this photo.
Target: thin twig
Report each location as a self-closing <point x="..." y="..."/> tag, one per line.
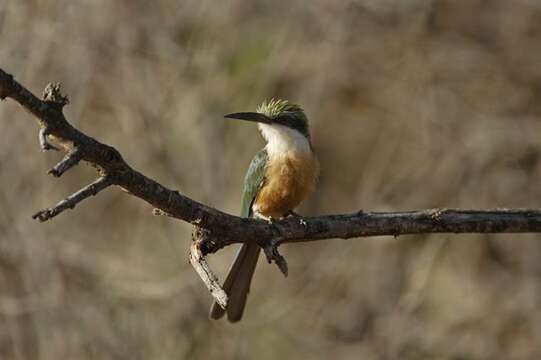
<point x="71" y="159"/>
<point x="43" y="142"/>
<point x="270" y="248"/>
<point x="71" y="201"/>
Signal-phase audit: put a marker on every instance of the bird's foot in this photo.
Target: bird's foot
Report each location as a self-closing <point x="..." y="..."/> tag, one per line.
<point x="301" y="219"/>
<point x="268" y="219"/>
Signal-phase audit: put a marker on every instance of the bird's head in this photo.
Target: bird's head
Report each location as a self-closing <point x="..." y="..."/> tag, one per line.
<point x="283" y="125"/>
<point x="278" y="113"/>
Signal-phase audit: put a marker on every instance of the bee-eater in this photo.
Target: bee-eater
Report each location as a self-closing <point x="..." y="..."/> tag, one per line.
<point x="279" y="178"/>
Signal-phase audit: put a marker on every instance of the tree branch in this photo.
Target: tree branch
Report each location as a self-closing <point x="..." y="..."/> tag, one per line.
<point x="197" y="259"/>
<point x="223" y="229"/>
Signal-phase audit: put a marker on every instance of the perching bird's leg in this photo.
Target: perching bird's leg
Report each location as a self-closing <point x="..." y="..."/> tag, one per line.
<point x="301" y="219"/>
<point x="268" y="219"/>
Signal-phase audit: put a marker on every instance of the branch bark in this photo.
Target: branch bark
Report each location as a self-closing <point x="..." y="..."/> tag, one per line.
<point x="222" y="229"/>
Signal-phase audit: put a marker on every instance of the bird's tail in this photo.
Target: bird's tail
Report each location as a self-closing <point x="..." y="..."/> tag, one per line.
<point x="237" y="283"/>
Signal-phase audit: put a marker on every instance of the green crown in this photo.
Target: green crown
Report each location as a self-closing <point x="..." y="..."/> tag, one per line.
<point x="274" y="107"/>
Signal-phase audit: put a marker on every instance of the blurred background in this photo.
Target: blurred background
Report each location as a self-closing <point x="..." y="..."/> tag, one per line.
<point x="413" y="104"/>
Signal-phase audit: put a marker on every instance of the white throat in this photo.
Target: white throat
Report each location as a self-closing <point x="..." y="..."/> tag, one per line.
<point x="282" y="139"/>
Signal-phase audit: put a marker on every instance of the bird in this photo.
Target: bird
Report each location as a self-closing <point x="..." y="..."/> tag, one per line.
<point x="279" y="178"/>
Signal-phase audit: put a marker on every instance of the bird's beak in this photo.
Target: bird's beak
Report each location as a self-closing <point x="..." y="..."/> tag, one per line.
<point x="250" y="116"/>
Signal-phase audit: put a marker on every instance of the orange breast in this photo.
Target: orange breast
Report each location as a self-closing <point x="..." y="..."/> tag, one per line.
<point x="288" y="180"/>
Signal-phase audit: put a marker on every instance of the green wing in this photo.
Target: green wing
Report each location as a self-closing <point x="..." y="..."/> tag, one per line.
<point x="253" y="181"/>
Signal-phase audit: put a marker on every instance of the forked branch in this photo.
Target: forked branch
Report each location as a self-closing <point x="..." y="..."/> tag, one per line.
<point x="223" y="229"/>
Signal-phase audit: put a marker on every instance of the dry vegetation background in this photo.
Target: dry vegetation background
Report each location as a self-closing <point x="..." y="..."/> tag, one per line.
<point x="414" y="104"/>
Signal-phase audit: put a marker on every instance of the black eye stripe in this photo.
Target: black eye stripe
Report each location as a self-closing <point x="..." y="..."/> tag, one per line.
<point x="295" y="120"/>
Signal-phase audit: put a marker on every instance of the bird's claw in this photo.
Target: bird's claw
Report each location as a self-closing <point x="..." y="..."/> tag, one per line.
<point x="270" y="220"/>
<point x="301" y="219"/>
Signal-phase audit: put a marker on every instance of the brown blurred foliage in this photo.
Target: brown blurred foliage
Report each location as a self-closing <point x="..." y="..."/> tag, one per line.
<point x="413" y="103"/>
